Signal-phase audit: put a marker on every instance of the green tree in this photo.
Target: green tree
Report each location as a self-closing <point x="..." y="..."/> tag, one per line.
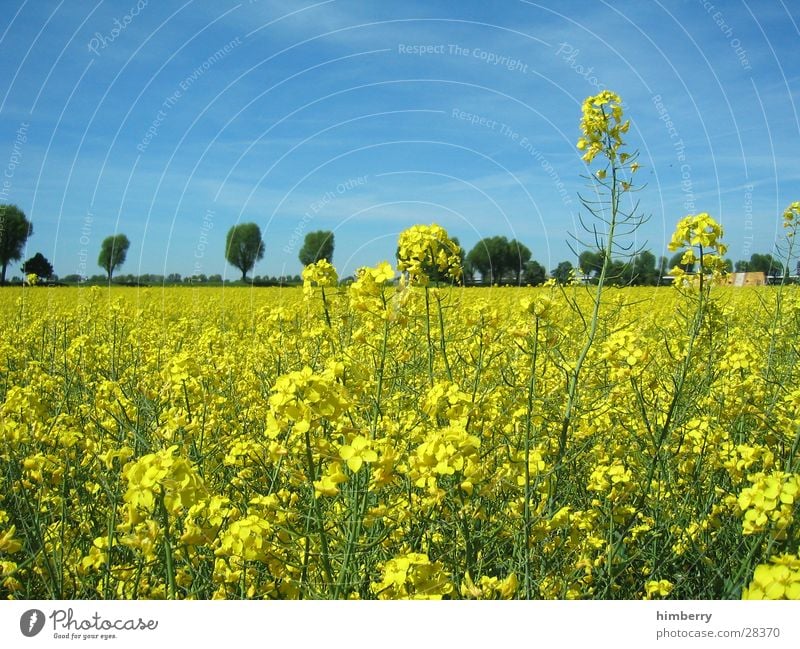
<point x="618" y="273"/>
<point x="562" y="272"/>
<point x="591" y="262"/>
<point x="643" y="269"/>
<point x="113" y="251"/>
<point x="244" y="247"/>
<point x="468" y="269"/>
<point x="518" y="255"/>
<point x="663" y="267"/>
<point x="535" y="274"/>
<point x="491" y="257"/>
<point x="14" y="232"/>
<point x="317" y="245"/>
<point x="38" y="264"/>
<point x="766" y="264"/>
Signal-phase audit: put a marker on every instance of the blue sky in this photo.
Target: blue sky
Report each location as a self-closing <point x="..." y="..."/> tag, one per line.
<point x="172" y="121"/>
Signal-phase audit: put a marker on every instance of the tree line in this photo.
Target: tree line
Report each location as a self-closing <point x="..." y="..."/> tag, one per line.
<point x="492" y="261"/>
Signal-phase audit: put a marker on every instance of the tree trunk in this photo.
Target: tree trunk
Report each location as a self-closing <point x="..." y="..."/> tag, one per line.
<point x="3" y="275"/>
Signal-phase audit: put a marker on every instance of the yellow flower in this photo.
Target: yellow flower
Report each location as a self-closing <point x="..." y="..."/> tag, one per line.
<point x="702" y="232"/>
<point x="163" y="475"/>
<point x="303" y="399"/>
<point x="427" y="249"/>
<point x="489" y="587"/>
<point x="357" y="452"/>
<point x="791" y="215"/>
<point x="539" y="306"/>
<point x="98" y="555"/>
<point x="8" y="544"/>
<point x="205" y="519"/>
<point x="697" y="230"/>
<point x="413" y="576"/>
<point x="769" y="501"/>
<point x="366" y="292"/>
<point x="658" y="589"/>
<point x="246" y="539"/>
<point x="602" y="126"/>
<point x="328" y="484"/>
<point x="321" y="273"/>
<point x="779" y="579"/>
<point x="383" y="273"/>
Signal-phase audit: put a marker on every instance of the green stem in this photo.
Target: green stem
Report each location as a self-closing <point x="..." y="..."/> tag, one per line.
<point x="376" y="410"/>
<point x="111" y="525"/>
<point x="526" y="514"/>
<point x="325" y="306"/>
<point x="323" y="538"/>
<point x="357" y="512"/>
<point x="574" y="375"/>
<point x="442" y="341"/>
<point x="169" y="567"/>
<point x="428" y="334"/>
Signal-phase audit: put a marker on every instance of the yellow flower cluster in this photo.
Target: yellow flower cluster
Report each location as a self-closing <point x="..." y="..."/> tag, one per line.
<point x="791" y="217"/>
<point x="779" y="579"/>
<point x="770" y="502"/>
<point x="489" y="587"/>
<point x="702" y="232"/>
<point x="367" y="290"/>
<point x="246" y="539"/>
<point x="658" y="589"/>
<point x="625" y="353"/>
<point x="413" y="576"/>
<point x="446" y="452"/>
<point x="538" y="307"/>
<point x="445" y="400"/>
<point x="426" y="249"/>
<point x="205" y="519"/>
<point x="320" y="273"/>
<point x="698" y="230"/>
<point x="612" y="480"/>
<point x="303" y="400"/>
<point x="602" y="126"/>
<point x="788" y="419"/>
<point x="162" y="478"/>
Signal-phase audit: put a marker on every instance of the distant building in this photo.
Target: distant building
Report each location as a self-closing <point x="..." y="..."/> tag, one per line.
<point x="747" y="279"/>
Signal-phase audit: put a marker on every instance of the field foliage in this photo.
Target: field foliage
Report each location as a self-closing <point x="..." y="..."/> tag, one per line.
<point x="385" y="441"/>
